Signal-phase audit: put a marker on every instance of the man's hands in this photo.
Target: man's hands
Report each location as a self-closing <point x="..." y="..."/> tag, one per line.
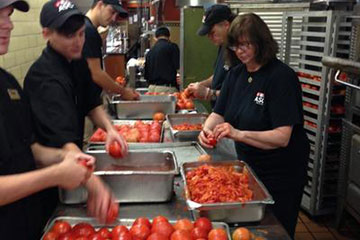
<point x="70" y="173"/>
<point x="129" y="94"/>
<point x="199" y="91"/>
<point x="100" y="199"/>
<point x="113" y="136"/>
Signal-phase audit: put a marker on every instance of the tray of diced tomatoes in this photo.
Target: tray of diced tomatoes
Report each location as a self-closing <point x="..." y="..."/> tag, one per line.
<point x="142" y="228"/>
<point x="226" y="191"/>
<point x="186" y="126"/>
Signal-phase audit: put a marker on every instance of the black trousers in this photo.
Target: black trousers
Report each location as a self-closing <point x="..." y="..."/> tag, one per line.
<point x="286" y="208"/>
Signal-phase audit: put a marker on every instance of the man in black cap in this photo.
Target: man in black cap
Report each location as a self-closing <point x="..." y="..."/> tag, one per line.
<point x="216" y="23"/>
<point x="21" y="210"/>
<point x="62" y="93"/>
<point x="162" y="63"/>
<point x="103" y="13"/>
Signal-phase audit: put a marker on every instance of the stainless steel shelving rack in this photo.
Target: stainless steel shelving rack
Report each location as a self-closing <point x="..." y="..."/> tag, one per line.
<point x="307" y="37"/>
<point x="349" y="177"/>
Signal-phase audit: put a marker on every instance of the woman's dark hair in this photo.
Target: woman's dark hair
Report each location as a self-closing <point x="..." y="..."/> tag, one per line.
<point x="72" y="25"/>
<point x="250" y="26"/>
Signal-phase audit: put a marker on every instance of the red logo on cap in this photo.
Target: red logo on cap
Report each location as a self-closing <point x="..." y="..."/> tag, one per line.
<point x="62" y="5"/>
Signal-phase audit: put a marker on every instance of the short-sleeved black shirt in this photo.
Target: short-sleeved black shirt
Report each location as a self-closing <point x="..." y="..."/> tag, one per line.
<point x="93" y="43"/>
<point x="22" y="219"/>
<point x="220" y="71"/>
<point x="61" y="94"/>
<point x="271" y="100"/>
<point x="162" y="63"/>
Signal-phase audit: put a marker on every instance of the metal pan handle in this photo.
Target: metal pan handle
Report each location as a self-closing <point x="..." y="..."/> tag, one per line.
<point x="337" y="74"/>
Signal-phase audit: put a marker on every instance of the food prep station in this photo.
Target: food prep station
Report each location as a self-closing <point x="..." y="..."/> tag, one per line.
<point x="149" y="181"/>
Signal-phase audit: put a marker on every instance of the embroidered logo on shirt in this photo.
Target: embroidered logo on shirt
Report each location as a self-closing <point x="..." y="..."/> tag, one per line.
<point x="259" y="99"/>
<point x="14" y="94"/>
<point x="63" y="5"/>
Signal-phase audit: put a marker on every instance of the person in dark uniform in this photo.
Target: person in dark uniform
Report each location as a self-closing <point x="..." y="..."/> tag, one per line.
<point x="216" y="23"/>
<point x="62" y="93"/>
<point x="103" y="13"/>
<point x="162" y="63"/>
<point x="21" y="212"/>
<point x="260" y="108"/>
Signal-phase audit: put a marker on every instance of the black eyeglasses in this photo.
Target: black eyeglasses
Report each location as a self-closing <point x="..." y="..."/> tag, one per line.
<point x="243" y="46"/>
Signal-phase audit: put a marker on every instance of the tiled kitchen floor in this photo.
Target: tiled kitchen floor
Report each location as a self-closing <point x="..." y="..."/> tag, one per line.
<point x="323" y="228"/>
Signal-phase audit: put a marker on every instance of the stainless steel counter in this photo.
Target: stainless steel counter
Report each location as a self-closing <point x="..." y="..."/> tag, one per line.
<point x="268" y="227"/>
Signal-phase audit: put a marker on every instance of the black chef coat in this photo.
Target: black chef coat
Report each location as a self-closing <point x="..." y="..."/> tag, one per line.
<point x="273" y="99"/>
<point x="23" y="219"/>
<point x="93" y="42"/>
<point x="61" y="94"/>
<point x="162" y="63"/>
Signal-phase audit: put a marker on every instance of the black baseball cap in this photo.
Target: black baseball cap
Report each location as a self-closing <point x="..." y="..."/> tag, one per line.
<point x="213" y="15"/>
<point x="116" y="4"/>
<point x="18" y="4"/>
<point x="55" y="13"/>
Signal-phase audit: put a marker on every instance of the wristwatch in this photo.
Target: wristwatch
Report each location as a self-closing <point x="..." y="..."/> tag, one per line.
<point x="213" y="96"/>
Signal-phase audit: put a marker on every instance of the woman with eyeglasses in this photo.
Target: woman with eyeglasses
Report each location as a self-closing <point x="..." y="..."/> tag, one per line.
<point x="260" y="108"/>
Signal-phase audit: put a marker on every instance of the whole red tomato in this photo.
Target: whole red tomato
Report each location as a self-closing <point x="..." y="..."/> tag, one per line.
<point x="83" y="162"/>
<point x="104" y="232"/>
<point x="203" y="223"/>
<point x="140" y="232"/>
<point x="154" y="137"/>
<point x="198" y="232"/>
<point x="50" y="236"/>
<point x="142" y="221"/>
<point x="122" y="236"/>
<point x="113" y="212"/>
<point x="61" y="227"/>
<point x="96" y="236"/>
<point x="159" y="116"/>
<point x="184" y="224"/>
<point x="82" y="238"/>
<point x="83" y="229"/>
<point x="165" y="228"/>
<point x="241" y="233"/>
<point x="157" y="236"/>
<point x="181" y="235"/>
<point x="115" y="150"/>
<point x="118" y="230"/>
<point x="159" y="219"/>
<point x="212" y="141"/>
<point x="66" y="236"/>
<point x="217" y="234"/>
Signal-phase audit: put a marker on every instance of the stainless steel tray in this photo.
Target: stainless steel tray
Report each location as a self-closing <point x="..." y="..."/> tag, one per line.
<point x="175" y="119"/>
<point x="250" y="211"/>
<point x="184" y="151"/>
<point x="142" y="176"/>
<point x="119" y="221"/>
<point x="143" y="108"/>
<point x="131" y="122"/>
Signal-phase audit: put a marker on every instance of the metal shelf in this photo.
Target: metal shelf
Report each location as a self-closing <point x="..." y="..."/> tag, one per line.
<point x="322" y="33"/>
<point x="311" y="91"/>
<point x="309" y="81"/>
<point x="310" y="100"/>
<point x="312" y="110"/>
